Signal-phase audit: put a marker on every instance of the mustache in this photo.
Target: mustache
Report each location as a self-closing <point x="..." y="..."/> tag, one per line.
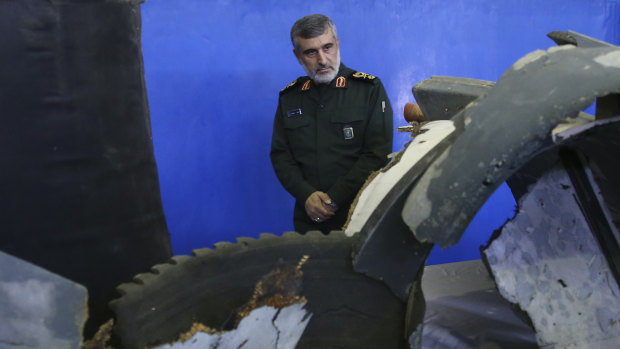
<point x="324" y="66"/>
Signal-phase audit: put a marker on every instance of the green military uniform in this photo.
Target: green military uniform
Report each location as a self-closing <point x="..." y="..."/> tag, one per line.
<point x="330" y="137"/>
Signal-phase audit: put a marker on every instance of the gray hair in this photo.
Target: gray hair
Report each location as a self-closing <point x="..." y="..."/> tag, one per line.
<point x="311" y="26"/>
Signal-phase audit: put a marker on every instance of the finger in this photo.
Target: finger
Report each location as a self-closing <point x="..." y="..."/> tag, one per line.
<point x="319" y="205"/>
<point x="311" y="202"/>
<point x="319" y="212"/>
<point x="323" y="211"/>
<point x="319" y="219"/>
<point x="332" y="207"/>
<point x="316" y="212"/>
<point x="322" y="216"/>
<point x="324" y="198"/>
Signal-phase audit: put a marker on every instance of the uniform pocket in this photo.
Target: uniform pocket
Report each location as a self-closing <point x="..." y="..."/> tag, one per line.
<point x="348" y="116"/>
<point x="346" y="136"/>
<point x="348" y="125"/>
<point x="294" y="122"/>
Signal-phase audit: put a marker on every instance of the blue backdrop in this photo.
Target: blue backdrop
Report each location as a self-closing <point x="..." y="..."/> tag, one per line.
<point x="214" y="69"/>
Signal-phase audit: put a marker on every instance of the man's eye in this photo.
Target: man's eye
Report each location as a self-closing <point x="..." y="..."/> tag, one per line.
<point x="311" y="53"/>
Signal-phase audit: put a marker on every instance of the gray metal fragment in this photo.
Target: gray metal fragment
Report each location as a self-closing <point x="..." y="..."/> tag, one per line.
<point x="547" y="261"/>
<point x="442" y="97"/>
<point x="39" y="309"/>
<point x="593" y="169"/>
<point x="562" y="38"/>
<point x="608" y="106"/>
<point x="586" y="41"/>
<point x="465" y="310"/>
<point x="503" y="131"/>
<point x="264" y="328"/>
<point x="573" y="38"/>
<point x="386" y="250"/>
<point x="415" y="339"/>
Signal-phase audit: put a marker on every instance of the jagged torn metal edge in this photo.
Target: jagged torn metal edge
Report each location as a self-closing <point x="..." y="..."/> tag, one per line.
<point x="136" y="291"/>
<point x="503" y="131"/>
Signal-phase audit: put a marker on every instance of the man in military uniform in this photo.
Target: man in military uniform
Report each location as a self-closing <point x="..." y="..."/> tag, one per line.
<point x="332" y="128"/>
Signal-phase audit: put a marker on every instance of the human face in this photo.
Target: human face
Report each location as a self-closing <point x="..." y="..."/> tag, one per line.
<point x="320" y="56"/>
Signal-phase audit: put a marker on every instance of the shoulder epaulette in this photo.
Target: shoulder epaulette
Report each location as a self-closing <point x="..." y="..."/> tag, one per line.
<point x="363" y="76"/>
<point x="289" y="85"/>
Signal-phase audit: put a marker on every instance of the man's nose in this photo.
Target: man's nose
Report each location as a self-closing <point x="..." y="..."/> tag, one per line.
<point x="322" y="59"/>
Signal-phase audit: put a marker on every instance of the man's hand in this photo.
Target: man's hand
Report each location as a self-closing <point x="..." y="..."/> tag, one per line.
<point x="320" y="207"/>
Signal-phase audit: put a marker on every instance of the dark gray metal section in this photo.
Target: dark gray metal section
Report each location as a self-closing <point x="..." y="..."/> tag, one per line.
<point x="606" y="106"/>
<point x="503" y="131"/>
<point x="593" y="167"/>
<point x="576" y="168"/>
<point x="386" y="250"/>
<point x="349" y="310"/>
<point x="39" y="309"/>
<point x="562" y="38"/>
<point x="464" y="310"/>
<point x="573" y="38"/>
<point x="442" y="97"/>
<point x="389" y="252"/>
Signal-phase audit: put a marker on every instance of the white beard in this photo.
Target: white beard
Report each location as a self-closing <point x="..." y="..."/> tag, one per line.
<point x="324" y="78"/>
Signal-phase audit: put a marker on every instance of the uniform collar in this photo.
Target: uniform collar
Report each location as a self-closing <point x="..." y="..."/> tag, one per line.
<point x="340" y="81"/>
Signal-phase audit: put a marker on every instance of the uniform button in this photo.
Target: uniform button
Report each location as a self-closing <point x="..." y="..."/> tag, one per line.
<point x="322" y="106"/>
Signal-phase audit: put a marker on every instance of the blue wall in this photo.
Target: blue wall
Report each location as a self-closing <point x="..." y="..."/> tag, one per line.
<point x="214" y="70"/>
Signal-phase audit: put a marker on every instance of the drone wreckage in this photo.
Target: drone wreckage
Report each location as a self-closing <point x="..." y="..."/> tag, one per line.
<point x="557" y="260"/>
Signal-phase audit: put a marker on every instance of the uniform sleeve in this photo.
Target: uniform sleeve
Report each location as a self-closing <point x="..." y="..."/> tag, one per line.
<point x="376" y="147"/>
<point x="286" y="168"/>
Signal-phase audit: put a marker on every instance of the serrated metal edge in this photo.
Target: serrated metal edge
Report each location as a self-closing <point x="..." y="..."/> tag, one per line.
<point x="244" y="240"/>
<point x="180" y="259"/>
<point x="267" y="236"/>
<point x="201" y="251"/>
<point x="133" y="293"/>
<point x="291" y="233"/>
<point x="142" y="280"/>
<point x="223" y="245"/>
<point x="126" y="288"/>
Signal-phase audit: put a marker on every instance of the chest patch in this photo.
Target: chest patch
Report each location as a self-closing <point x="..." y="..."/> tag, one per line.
<point x="347" y="131"/>
<point x="293" y="112"/>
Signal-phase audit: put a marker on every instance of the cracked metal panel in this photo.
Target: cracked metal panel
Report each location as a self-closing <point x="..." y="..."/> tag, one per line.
<point x="39" y="309"/>
<point x="589" y="154"/>
<point x="265" y="327"/>
<point x="502" y="131"/>
<point x="547" y="261"/>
